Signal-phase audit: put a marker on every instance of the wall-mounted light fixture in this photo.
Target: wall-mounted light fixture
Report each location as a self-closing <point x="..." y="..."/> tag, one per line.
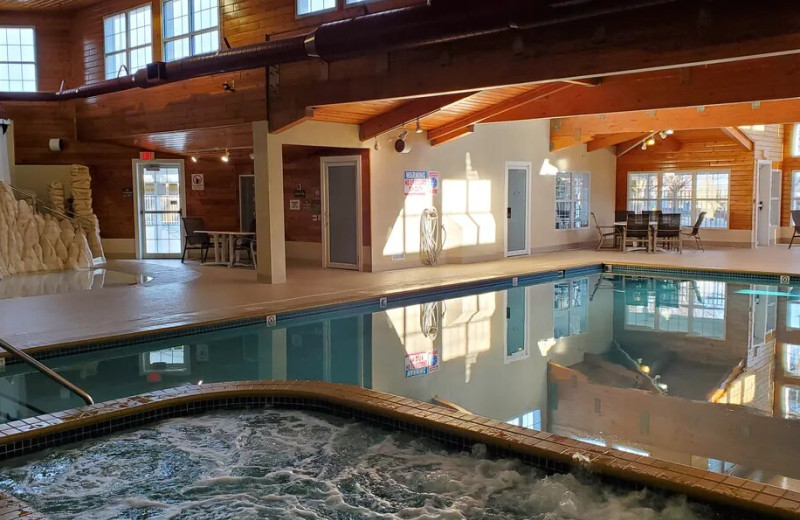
<point x="226" y="156"/>
<point x="419" y="127"/>
<point x="194" y="158"/>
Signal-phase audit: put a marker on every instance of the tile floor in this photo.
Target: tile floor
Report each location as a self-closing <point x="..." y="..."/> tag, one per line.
<point x="191" y="293"/>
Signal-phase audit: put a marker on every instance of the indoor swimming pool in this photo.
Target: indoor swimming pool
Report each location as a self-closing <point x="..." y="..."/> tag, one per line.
<point x="701" y="372"/>
<point x="290" y="464"/>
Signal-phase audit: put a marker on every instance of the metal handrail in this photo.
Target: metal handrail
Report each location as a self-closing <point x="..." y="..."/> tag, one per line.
<point x="27" y="358"/>
<point x="36" y="203"/>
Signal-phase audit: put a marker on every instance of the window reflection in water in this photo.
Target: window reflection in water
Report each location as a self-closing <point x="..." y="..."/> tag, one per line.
<point x="570" y="308"/>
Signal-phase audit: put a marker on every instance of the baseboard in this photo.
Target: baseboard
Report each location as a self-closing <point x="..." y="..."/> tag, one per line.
<point x="311" y="251"/>
<point x="564" y="247"/>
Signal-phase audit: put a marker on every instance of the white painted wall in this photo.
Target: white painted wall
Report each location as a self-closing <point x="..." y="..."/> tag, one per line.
<point x="36" y="178"/>
<point x="472" y="198"/>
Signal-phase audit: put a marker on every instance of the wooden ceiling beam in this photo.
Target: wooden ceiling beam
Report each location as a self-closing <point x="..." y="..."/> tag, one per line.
<point x="604" y="141"/>
<point x="588" y="82"/>
<point x="575" y="130"/>
<point x="755" y="80"/>
<point x="731" y="31"/>
<point x="456" y="126"/>
<point x="461" y="132"/>
<point x="738" y="136"/>
<point x="408" y="111"/>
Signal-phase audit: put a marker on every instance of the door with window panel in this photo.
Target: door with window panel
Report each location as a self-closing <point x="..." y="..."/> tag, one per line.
<point x="160" y="210"/>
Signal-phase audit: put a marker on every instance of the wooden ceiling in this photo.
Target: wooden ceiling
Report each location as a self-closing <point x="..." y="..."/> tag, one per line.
<point x="63" y="5"/>
<point x="201" y="142"/>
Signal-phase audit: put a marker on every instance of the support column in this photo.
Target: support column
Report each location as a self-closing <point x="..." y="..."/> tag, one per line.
<point x="269" y="206"/>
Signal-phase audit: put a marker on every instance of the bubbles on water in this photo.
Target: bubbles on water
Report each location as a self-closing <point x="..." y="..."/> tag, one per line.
<point x="278" y="464"/>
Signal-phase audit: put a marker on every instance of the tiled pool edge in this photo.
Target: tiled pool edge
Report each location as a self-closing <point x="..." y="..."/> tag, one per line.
<point x="542" y="449"/>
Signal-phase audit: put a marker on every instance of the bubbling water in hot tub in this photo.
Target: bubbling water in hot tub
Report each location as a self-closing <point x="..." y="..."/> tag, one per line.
<point x="279" y="464"/>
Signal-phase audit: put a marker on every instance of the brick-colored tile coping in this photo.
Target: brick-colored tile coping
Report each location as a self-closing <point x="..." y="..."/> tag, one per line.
<point x="541" y="448"/>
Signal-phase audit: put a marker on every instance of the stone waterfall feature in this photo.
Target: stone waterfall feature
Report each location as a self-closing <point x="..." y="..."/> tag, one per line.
<point x="30" y="242"/>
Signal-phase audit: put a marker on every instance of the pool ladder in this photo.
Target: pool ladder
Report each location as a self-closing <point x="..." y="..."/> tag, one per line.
<point x="44" y="369"/>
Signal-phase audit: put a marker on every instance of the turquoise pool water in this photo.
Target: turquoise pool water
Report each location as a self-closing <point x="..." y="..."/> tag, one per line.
<point x="278" y="464"/>
<point x="701" y="372"/>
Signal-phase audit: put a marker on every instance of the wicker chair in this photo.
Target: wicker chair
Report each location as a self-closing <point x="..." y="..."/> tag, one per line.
<point x="194" y="240"/>
<point x="636" y="231"/>
<point x="668" y="232"/>
<point x="695" y="232"/>
<point x="603" y="234"/>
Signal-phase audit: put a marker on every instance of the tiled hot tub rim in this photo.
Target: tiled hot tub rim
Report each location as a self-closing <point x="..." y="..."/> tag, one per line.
<point x="548" y="451"/>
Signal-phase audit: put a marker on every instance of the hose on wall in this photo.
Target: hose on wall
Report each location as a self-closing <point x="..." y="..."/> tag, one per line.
<point x="431" y="236"/>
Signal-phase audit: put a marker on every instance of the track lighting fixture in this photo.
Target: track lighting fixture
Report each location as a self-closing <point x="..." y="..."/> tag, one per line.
<point x="194" y="158"/>
<point x="226" y="156"/>
<point x="403" y="135"/>
<point x="419" y="127"/>
<point x="377" y="145"/>
<point x="651" y="142"/>
<point x="644" y="146"/>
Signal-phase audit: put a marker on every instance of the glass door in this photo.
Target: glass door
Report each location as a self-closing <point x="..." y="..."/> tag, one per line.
<point x="160" y="197"/>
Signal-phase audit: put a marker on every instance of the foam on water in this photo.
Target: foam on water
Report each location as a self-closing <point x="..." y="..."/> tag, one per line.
<point x="287" y="465"/>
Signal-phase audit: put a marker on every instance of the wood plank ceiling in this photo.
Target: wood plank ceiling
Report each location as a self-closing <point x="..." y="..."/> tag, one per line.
<point x="64" y="5"/>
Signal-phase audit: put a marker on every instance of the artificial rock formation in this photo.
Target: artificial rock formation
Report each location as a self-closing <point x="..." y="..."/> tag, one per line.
<point x="31" y="242"/>
<point x="55" y="191"/>
<point x="82" y="206"/>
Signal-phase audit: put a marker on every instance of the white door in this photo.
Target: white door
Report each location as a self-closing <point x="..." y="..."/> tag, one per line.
<point x="763" y="207"/>
<point x="341" y="212"/>
<point x="159" y="196"/>
<point x="517" y="211"/>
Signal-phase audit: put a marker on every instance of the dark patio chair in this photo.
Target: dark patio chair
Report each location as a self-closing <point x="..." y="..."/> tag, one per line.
<point x="695" y="232"/>
<point x="668" y="233"/>
<point x="621" y="215"/>
<point x="796" y="223"/>
<point x="636" y="231"/>
<point x="193" y="239"/>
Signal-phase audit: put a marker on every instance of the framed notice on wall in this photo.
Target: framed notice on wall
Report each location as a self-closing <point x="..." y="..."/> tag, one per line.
<point x="198" y="182"/>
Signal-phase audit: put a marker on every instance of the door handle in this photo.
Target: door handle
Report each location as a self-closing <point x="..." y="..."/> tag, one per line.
<point x="508" y="212"/>
<point x="760" y="205"/>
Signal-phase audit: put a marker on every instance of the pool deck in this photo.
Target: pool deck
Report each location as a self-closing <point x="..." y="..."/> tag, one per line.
<point x="191" y="294"/>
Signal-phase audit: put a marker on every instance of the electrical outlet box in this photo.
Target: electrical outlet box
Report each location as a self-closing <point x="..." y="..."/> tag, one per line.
<point x="515" y="281"/>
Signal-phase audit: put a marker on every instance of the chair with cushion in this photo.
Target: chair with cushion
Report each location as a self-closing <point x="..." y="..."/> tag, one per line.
<point x="604" y="233"/>
<point x="668" y="233"/>
<point x="193" y="239"/>
<point x="695" y="231"/>
<point x="796" y="223"/>
<point x="636" y="231"/>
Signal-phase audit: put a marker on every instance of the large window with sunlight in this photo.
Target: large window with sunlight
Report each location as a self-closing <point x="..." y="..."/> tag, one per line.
<point x="572" y="200"/>
<point x="687" y="193"/>
<point x="531" y="420"/>
<point x="791" y="362"/>
<point x="791" y="402"/>
<point x="570" y="308"/>
<point x="695" y="308"/>
<point x="191" y="28"/>
<point x="795" y="193"/>
<point x="128" y="42"/>
<point x="17" y="59"/>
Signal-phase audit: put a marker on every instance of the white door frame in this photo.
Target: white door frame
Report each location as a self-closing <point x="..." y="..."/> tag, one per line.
<point x="757" y="197"/>
<point x="324" y="162"/>
<point x="526" y="344"/>
<point x="527" y="166"/>
<point x="136" y="164"/>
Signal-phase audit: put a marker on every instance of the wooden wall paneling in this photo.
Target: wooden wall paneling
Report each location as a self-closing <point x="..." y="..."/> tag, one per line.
<point x="53" y="44"/>
<point x="218" y="203"/>
<point x="719" y="154"/>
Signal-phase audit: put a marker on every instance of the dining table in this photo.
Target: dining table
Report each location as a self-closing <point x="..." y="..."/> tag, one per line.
<point x="651" y="247"/>
<point x="224" y="244"/>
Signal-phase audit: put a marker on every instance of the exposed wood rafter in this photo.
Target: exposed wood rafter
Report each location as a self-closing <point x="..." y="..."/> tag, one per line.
<point x="588" y="82"/>
<point x="406" y="112"/>
<point x="604" y="141"/>
<point x="437" y="134"/>
<point x="738" y="136"/>
<point x="461" y="132"/>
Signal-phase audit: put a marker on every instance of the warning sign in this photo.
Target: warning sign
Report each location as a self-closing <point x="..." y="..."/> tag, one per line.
<point x="416" y="182"/>
<point x="198" y="182"/>
<point x="434" y="180"/>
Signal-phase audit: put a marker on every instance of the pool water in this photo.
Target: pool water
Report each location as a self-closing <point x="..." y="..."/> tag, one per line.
<point x="705" y="373"/>
<point x="289" y="465"/>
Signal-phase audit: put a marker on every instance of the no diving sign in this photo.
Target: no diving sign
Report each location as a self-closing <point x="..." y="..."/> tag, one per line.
<point x="198" y="182"/>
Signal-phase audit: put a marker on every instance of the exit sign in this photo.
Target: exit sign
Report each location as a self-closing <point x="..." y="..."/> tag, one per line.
<point x="147" y="156"/>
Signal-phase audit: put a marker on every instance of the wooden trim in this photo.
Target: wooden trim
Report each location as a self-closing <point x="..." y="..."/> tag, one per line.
<point x="461" y="132"/>
<point x="604" y="141"/>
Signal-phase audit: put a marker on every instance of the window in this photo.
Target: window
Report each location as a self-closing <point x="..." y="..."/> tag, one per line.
<point x="720" y="466"/>
<point x="687" y="193"/>
<point x="305" y="7"/>
<point x="572" y="200"/>
<point x="570" y="308"/>
<point x="694" y="308"/>
<point x="795" y="193"/>
<point x="791" y="402"/>
<point x="191" y="27"/>
<point x="128" y="41"/>
<point x="796" y="140"/>
<point x="17" y="59"/>
<point x="530" y="420"/>
<point x="792" y="359"/>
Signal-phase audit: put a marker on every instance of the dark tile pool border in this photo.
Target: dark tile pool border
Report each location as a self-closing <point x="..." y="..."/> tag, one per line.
<point x="746" y="499"/>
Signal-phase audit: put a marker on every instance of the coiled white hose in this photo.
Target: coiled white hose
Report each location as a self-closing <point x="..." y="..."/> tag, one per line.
<point x="430" y="315"/>
<point x="430" y="245"/>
